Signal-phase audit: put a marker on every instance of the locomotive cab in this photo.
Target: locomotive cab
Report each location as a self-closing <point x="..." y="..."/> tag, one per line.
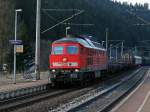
<point x="64" y="56"/>
<point x="64" y="60"/>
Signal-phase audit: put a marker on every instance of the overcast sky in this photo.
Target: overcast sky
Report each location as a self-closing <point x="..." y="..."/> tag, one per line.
<point x="134" y="1"/>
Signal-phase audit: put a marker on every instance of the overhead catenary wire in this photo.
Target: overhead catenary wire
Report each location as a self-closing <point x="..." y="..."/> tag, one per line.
<point x="138" y="17"/>
<point x="74" y="15"/>
<point x="52" y="18"/>
<point x="61" y="10"/>
<point x="76" y="24"/>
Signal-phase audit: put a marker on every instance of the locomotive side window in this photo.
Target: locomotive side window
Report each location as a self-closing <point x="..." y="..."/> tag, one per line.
<point x="81" y="51"/>
<point x="103" y="53"/>
<point x="72" y="50"/>
<point x="58" y="50"/>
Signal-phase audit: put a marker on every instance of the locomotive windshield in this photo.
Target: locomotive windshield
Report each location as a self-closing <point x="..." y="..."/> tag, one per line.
<point x="58" y="50"/>
<point x="72" y="50"/>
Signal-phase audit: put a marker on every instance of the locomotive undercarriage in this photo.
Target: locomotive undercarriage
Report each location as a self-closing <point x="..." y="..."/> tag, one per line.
<point x="73" y="77"/>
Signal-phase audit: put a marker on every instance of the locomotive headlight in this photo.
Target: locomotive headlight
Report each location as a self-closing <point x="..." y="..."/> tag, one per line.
<point x="76" y="70"/>
<point x="64" y="59"/>
<point x="53" y="70"/>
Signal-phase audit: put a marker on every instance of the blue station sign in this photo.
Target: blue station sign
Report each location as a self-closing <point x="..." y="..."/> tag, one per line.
<point x="15" y="42"/>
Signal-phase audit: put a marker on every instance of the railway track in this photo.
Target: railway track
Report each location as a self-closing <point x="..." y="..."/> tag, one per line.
<point x="64" y="95"/>
<point x="101" y="99"/>
<point x="12" y="103"/>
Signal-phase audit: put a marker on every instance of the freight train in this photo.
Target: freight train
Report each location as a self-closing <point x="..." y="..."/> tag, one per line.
<point x="78" y="59"/>
<point x="146" y="61"/>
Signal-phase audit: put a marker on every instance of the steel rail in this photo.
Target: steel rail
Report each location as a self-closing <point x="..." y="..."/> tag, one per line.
<point x="90" y="96"/>
<point x="30" y="99"/>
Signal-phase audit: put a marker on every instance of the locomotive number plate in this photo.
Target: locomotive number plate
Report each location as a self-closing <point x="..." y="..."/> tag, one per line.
<point x="71" y="64"/>
<point x="64" y="64"/>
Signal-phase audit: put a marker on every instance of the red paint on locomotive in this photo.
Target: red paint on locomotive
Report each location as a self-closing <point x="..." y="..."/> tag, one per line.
<point x="83" y="57"/>
<point x="76" y="58"/>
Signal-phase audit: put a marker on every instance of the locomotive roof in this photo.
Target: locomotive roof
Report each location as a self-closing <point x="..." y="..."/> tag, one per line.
<point x="85" y="42"/>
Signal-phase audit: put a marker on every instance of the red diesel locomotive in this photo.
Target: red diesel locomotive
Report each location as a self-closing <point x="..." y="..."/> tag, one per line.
<point x="76" y="59"/>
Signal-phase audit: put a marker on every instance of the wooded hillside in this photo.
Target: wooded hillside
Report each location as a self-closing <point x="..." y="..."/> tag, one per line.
<point x="6" y="27"/>
<point x="101" y="13"/>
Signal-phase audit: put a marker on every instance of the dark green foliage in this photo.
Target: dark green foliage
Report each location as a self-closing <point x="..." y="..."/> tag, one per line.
<point x="6" y="28"/>
<point x="27" y="55"/>
<point x="101" y="13"/>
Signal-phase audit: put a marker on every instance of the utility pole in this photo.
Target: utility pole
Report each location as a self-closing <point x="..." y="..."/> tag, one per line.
<point x="16" y="20"/>
<point x="107" y="46"/>
<point x="107" y="39"/>
<point x="135" y="50"/>
<point x="116" y="53"/>
<point x="110" y="52"/>
<point x="37" y="50"/>
<point x="122" y="48"/>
